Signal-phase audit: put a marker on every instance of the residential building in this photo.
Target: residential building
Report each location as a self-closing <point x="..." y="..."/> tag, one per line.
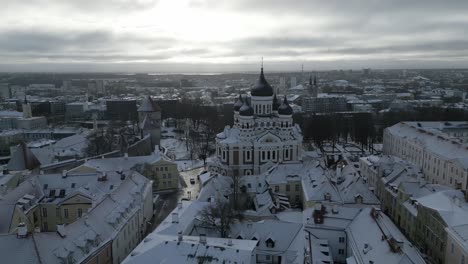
<point x="323" y="104"/>
<point x="79" y="217"/>
<point x="436" y="147"/>
<point x="163" y="173"/>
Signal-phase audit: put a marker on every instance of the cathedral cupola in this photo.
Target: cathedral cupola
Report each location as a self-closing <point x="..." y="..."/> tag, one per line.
<point x="246" y="109"/>
<point x="285" y="108"/>
<point x="262" y="87"/>
<point x="238" y="103"/>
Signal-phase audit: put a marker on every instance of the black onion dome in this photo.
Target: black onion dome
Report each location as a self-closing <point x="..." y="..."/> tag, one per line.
<point x="276" y="104"/>
<point x="238" y="103"/>
<point x="285" y="108"/>
<point x="262" y="87"/>
<point x="246" y="109"/>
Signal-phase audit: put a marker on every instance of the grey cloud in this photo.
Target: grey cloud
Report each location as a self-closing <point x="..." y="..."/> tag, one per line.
<point x="33" y="42"/>
<point x="92" y="6"/>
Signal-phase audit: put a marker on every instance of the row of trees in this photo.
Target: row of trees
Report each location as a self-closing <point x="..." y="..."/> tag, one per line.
<point x="367" y="128"/>
<point x="338" y="127"/>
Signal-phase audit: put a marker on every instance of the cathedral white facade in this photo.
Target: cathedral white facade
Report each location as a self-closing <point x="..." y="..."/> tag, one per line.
<point x="263" y="134"/>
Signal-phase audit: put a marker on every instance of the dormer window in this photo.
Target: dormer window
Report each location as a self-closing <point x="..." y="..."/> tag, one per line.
<point x="239" y="237"/>
<point x="270" y="243"/>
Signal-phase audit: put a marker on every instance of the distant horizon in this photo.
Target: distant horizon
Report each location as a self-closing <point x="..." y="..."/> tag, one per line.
<point x="202" y="69"/>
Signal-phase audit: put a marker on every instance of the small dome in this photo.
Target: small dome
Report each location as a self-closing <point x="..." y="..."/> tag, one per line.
<point x="246" y="110"/>
<point x="238" y="103"/>
<point x="285" y="108"/>
<point x="262" y="87"/>
<point x="276" y="104"/>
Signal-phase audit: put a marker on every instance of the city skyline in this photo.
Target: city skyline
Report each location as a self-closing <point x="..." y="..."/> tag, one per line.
<point x="230" y="36"/>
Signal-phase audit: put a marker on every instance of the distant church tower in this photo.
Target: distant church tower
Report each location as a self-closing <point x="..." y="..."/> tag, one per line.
<point x="27" y="112"/>
<point x="312" y="86"/>
<point x="149" y="118"/>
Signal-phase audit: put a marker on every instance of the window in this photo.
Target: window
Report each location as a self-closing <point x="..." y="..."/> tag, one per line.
<point x="341" y="239"/>
<point x="462" y="260"/>
<point x="65" y="213"/>
<point x="57" y="212"/>
<point x="73" y="185"/>
<point x="341" y="251"/>
<point x="270" y="243"/>
<point x="80" y="212"/>
<point x="276" y="188"/>
<point x="249" y="185"/>
<point x="451" y="249"/>
<point x="288" y="187"/>
<point x="44" y="212"/>
<point x="297" y="187"/>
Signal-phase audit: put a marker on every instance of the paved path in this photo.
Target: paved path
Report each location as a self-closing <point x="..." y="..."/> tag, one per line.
<point x="168" y="201"/>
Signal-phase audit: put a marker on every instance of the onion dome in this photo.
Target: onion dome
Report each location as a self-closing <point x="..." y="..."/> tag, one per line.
<point x="262" y="87"/>
<point x="276" y="104"/>
<point x="285" y="108"/>
<point x="238" y="103"/>
<point x="246" y="109"/>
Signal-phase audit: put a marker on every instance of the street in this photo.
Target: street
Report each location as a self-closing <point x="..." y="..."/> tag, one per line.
<point x="168" y="201"/>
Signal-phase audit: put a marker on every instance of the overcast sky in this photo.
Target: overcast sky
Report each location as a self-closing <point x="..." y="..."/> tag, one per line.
<point x="222" y="35"/>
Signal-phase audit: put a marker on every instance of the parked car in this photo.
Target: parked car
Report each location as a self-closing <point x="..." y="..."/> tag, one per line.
<point x="192" y="180"/>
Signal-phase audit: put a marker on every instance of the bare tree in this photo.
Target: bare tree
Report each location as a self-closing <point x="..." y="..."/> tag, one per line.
<point x="221" y="216"/>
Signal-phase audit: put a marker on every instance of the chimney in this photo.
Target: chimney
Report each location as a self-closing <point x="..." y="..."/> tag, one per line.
<point x="61" y="230"/>
<point x="125" y="156"/>
<point x="335" y="209"/>
<point x="203" y="239"/>
<point x="175" y="218"/>
<point x="103" y="176"/>
<point x="64" y="173"/>
<point x="229" y="243"/>
<point x="179" y="236"/>
<point x="22" y="230"/>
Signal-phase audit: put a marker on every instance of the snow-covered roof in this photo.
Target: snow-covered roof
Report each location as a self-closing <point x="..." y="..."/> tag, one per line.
<point x="437" y="143"/>
<point x="121" y="163"/>
<point x="217" y="187"/>
<point x="450" y="205"/>
<point x="353" y="185"/>
<point x="158" y="248"/>
<point x="23" y="159"/>
<point x="18" y="250"/>
<point x="99" y="225"/>
<point x="285" y="236"/>
<point x="365" y="240"/>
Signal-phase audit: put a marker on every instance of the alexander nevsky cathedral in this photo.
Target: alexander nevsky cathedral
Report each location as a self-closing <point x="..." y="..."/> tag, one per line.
<point x="263" y="134"/>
